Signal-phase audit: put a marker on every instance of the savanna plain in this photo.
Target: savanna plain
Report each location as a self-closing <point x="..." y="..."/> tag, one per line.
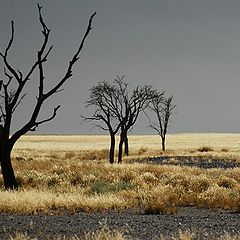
<point x="69" y="175"/>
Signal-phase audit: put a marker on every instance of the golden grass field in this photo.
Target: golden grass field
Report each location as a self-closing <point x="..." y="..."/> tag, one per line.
<point x="176" y="142"/>
<point x="72" y="173"/>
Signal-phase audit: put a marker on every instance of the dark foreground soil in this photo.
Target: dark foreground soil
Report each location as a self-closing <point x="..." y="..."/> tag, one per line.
<point x="208" y="224"/>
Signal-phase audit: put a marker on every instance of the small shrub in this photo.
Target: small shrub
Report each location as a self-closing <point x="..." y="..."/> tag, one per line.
<point x="160" y="208"/>
<point x="200" y="184"/>
<point x="226" y="182"/>
<point x="225" y="149"/>
<point x="182" y="235"/>
<point x="76" y="180"/>
<point x="142" y="151"/>
<point x="105" y="234"/>
<point x="205" y="149"/>
<point x="229" y="236"/>
<point x="186" y="235"/>
<point x="53" y="156"/>
<point x="219" y="197"/>
<point x="149" y="178"/>
<point x="21" y="236"/>
<point x="122" y="185"/>
<point x="54" y="180"/>
<point x="58" y="170"/>
<point x="17" y="158"/>
<point x="69" y="155"/>
<point x="102" y="187"/>
<point x="162" y="201"/>
<point x="128" y="175"/>
<point x="93" y="155"/>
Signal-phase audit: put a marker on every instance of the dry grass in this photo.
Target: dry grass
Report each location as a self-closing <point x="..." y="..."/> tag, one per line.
<point x="71" y="173"/>
<point x="103" y="234"/>
<point x="106" y="234"/>
<point x="177" y="142"/>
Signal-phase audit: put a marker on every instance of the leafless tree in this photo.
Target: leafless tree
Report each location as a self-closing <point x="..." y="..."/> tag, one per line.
<point x="163" y="108"/>
<point x="132" y="103"/>
<point x="117" y="108"/>
<point x="104" y="100"/>
<point x="12" y="88"/>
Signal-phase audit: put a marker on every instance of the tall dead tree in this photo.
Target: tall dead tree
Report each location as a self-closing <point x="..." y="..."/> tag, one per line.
<point x="163" y="108"/>
<point x="104" y="99"/>
<point x="12" y="93"/>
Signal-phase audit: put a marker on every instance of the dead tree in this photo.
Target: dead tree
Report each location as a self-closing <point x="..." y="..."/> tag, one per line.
<point x="104" y="99"/>
<point x="12" y="93"/>
<point x="163" y="108"/>
<point x="132" y="104"/>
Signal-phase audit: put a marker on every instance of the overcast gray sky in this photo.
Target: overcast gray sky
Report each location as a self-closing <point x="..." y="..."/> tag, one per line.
<point x="190" y="48"/>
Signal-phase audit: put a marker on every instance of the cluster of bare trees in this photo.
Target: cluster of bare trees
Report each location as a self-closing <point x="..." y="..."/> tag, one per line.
<point x="117" y="108"/>
<point x="11" y="94"/>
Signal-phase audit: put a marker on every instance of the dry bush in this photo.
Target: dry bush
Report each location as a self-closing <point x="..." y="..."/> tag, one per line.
<point x="219" y="197"/>
<point x="105" y="233"/>
<point x="182" y="235"/>
<point x="230" y="236"/>
<point x="161" y="200"/>
<point x="227" y="182"/>
<point x="225" y="149"/>
<point x="205" y="149"/>
<point x="21" y="236"/>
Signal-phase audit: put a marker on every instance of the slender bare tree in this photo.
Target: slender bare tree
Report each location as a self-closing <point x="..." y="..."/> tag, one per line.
<point x="132" y="104"/>
<point x="12" y="88"/>
<point x="104" y="99"/>
<point x="163" y="108"/>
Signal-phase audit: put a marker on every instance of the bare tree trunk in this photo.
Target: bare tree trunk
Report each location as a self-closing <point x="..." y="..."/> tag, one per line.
<point x="126" y="147"/>
<point x="163" y="143"/>
<point x="9" y="178"/>
<point x="112" y="148"/>
<point x="120" y="148"/>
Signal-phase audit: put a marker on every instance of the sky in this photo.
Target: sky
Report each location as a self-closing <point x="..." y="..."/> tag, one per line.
<point x="189" y="48"/>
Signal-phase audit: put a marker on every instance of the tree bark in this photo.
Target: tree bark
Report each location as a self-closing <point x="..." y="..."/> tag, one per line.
<point x="163" y="143"/>
<point x="112" y="148"/>
<point x="120" y="148"/>
<point x="9" y="178"/>
<point x="126" y="147"/>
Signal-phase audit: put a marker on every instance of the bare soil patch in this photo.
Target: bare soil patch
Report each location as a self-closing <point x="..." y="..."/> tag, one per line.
<point x="194" y="161"/>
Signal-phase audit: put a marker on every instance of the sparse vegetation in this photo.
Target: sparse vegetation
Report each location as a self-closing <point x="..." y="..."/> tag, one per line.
<point x="107" y="234"/>
<point x="68" y="173"/>
<point x="81" y="180"/>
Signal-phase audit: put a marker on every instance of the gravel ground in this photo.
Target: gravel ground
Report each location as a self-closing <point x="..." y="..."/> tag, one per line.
<point x="135" y="224"/>
<point x="193" y="161"/>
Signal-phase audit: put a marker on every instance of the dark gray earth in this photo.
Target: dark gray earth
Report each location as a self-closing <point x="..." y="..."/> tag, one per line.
<point x="208" y="224"/>
<point x="194" y="161"/>
<point x="135" y="224"/>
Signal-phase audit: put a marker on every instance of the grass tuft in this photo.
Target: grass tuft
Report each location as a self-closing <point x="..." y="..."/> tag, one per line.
<point x="205" y="149"/>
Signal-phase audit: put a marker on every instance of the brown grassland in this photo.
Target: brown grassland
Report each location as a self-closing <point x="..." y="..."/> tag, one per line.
<point x="72" y="173"/>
